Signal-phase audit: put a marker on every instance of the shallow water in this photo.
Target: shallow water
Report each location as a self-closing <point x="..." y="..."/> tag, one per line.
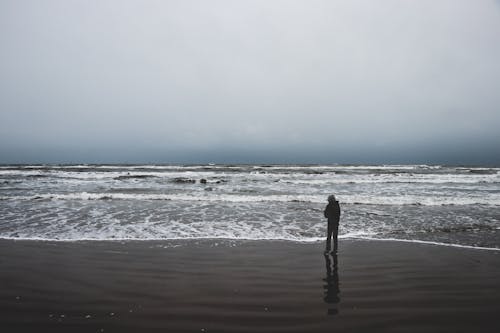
<point x="450" y="205"/>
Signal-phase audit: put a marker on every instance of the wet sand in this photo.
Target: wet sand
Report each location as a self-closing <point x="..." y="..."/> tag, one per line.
<point x="229" y="286"/>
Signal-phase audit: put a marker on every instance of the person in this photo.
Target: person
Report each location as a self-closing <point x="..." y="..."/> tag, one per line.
<point x="332" y="213"/>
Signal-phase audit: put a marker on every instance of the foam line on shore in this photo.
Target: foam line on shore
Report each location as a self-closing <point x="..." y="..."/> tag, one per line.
<point x="310" y="240"/>
<point x="426" y="242"/>
<point x="136" y="239"/>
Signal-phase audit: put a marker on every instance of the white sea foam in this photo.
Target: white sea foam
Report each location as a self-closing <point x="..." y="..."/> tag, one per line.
<point x="493" y="199"/>
<point x="326" y="177"/>
<point x="292" y="239"/>
<point x="416" y="241"/>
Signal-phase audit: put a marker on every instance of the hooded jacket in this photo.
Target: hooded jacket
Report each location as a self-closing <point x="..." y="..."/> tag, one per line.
<point x="332" y="211"/>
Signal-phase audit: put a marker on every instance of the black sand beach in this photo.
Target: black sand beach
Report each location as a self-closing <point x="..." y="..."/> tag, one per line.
<point x="229" y="286"/>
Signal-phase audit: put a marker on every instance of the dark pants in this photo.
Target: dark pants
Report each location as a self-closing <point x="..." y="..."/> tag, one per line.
<point x="333" y="230"/>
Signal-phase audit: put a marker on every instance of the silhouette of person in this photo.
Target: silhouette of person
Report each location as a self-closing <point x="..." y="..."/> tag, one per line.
<point x="332" y="213"/>
<point x="331" y="287"/>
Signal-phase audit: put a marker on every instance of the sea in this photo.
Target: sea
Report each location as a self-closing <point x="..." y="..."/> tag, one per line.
<point x="436" y="204"/>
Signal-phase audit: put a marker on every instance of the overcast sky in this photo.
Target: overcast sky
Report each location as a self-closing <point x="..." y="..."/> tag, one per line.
<point x="387" y="81"/>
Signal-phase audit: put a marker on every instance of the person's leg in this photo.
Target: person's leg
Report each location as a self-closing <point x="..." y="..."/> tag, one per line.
<point x="335" y="237"/>
<point x="329" y="237"/>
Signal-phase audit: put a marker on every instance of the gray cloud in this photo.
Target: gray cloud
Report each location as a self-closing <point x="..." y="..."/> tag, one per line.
<point x="308" y="81"/>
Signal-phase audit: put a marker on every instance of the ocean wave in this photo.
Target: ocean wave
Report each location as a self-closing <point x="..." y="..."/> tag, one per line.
<point x="138" y="176"/>
<point x="405" y="179"/>
<point x="294" y="177"/>
<point x="492" y="199"/>
<point x="245" y="167"/>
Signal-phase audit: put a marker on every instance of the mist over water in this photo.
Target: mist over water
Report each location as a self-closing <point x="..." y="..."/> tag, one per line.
<point x="451" y="205"/>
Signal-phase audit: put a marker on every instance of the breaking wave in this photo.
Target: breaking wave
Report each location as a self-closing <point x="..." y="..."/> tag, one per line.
<point x="345" y="199"/>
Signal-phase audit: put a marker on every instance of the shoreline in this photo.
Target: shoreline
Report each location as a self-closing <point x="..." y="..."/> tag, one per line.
<point x="246" y="286"/>
<point x="226" y="239"/>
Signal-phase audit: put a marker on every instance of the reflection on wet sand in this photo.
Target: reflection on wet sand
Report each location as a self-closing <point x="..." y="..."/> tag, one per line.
<point x="332" y="291"/>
